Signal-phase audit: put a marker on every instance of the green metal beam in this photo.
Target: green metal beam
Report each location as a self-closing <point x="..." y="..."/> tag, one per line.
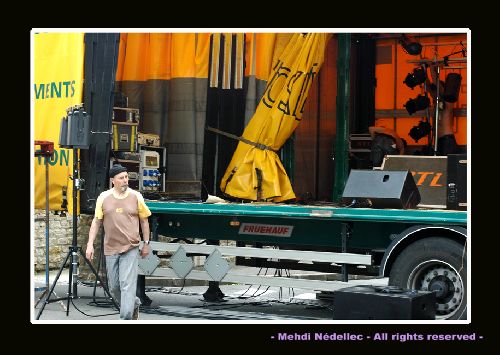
<point x="343" y="99"/>
<point x="310" y="212"/>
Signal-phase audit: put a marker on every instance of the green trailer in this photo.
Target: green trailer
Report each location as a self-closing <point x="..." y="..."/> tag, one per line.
<point x="416" y="248"/>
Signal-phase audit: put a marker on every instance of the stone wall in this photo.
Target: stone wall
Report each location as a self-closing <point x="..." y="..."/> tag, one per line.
<point x="61" y="236"/>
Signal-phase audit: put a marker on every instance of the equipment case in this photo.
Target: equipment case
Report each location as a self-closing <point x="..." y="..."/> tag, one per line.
<point x="124" y="136"/>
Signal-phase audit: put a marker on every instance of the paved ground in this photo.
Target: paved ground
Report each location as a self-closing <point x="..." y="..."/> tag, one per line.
<point x="185" y="304"/>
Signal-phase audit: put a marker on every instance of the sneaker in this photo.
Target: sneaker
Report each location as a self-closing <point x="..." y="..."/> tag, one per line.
<point x="135" y="315"/>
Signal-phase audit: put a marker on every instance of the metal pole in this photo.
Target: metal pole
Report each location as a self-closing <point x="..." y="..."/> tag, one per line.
<point x="74" y="247"/>
<point x="436" y="119"/>
<point x="46" y="288"/>
<point x="343" y="98"/>
<point x="427" y="113"/>
<point x="47" y="223"/>
<point x="345" y="235"/>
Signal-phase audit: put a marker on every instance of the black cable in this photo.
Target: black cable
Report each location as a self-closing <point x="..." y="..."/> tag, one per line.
<point x="90" y="315"/>
<point x="205" y="305"/>
<point x="231" y="305"/>
<point x="259" y="286"/>
<point x="254" y="295"/>
<point x="183" y="284"/>
<point x="249" y="287"/>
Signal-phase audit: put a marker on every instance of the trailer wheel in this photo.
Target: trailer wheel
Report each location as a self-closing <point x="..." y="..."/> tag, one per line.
<point x="439" y="265"/>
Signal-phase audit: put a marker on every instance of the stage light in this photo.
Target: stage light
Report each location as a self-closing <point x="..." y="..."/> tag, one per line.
<point x="410" y="45"/>
<point x="421" y="102"/>
<point x="420" y="131"/>
<point x="452" y="87"/>
<point x="418" y="77"/>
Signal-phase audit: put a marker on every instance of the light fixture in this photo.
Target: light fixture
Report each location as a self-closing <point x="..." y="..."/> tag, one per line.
<point x="421" y="130"/>
<point x="417" y="77"/>
<point x="452" y="87"/>
<point x="421" y="102"/>
<point x="410" y="45"/>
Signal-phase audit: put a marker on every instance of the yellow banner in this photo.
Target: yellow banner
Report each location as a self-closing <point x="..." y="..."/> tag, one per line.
<point x="58" y="83"/>
<point x="255" y="171"/>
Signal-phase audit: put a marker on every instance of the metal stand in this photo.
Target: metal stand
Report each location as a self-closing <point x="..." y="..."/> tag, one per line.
<point x="346" y="233"/>
<point x="213" y="292"/>
<point x="46" y="151"/>
<point x="73" y="252"/>
<point x="436" y="118"/>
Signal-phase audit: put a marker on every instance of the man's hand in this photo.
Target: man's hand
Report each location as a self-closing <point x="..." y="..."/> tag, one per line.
<point x="89" y="253"/>
<point x="145" y="250"/>
<point x="94" y="228"/>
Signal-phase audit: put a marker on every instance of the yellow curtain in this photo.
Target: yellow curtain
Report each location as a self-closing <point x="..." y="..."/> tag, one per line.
<point x="58" y="83"/>
<point x="255" y="172"/>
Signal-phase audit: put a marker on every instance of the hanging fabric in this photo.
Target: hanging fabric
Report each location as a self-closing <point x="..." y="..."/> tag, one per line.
<point x="257" y="173"/>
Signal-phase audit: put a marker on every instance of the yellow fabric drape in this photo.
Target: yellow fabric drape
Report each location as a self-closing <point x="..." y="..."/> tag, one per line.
<point x="58" y="84"/>
<point x="278" y="114"/>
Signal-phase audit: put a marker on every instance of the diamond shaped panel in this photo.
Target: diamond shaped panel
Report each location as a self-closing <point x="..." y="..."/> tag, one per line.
<point x="149" y="263"/>
<point x="181" y="263"/>
<point x="216" y="266"/>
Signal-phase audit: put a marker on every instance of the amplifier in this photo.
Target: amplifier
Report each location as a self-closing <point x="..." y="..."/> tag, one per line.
<point x="429" y="173"/>
<point x="383" y="302"/>
<point x="456" y="182"/>
<point x="360" y="143"/>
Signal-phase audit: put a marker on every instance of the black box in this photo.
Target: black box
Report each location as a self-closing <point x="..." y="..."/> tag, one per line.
<point x="456" y="182"/>
<point x="124" y="136"/>
<point x="383" y="302"/>
<point x="383" y="189"/>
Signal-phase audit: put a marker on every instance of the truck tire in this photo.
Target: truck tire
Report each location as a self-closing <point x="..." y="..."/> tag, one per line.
<point x="435" y="264"/>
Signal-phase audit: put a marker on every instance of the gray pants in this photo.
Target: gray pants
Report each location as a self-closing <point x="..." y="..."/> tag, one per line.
<point x="122" y="278"/>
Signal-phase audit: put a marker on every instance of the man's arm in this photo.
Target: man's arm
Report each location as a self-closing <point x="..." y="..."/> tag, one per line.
<point x="94" y="228"/>
<point x="145" y="235"/>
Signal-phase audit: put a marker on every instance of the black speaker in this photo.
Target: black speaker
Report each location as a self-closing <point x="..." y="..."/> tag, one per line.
<point x="75" y="129"/>
<point x="383" y="302"/>
<point x="456" y="182"/>
<point x="452" y="87"/>
<point x="381" y="189"/>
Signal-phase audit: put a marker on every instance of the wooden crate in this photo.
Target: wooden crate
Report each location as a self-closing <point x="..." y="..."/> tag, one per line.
<point x="152" y="140"/>
<point x="126" y="114"/>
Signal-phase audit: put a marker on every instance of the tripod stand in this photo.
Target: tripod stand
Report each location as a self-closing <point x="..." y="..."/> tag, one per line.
<point x="73" y="253"/>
